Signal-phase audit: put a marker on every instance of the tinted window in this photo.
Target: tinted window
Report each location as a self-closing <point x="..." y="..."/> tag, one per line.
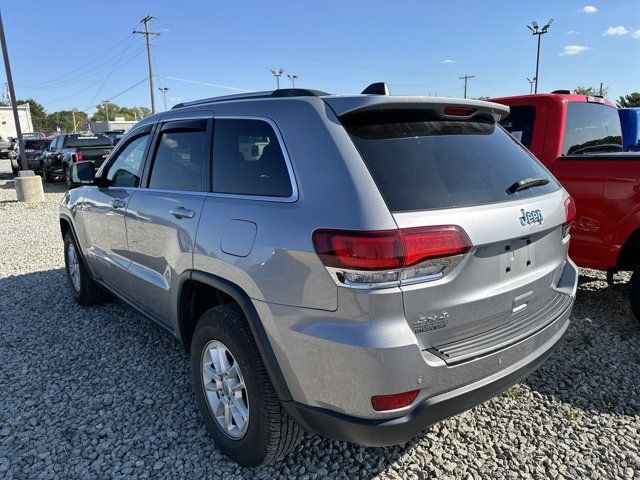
<point x="125" y="169"/>
<point x="420" y="162"/>
<point x="178" y="161"/>
<point x="86" y="141"/>
<point x="248" y="160"/>
<point x="520" y="122"/>
<point x="36" y="144"/>
<point x="591" y="128"/>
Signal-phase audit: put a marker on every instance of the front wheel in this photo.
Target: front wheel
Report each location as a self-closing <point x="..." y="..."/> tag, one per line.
<point x="634" y="292"/>
<point x="85" y="290"/>
<point x="234" y="393"/>
<point x="46" y="174"/>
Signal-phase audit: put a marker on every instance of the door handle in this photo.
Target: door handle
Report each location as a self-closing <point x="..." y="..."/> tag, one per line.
<point x="117" y="203"/>
<point x="182" y="212"/>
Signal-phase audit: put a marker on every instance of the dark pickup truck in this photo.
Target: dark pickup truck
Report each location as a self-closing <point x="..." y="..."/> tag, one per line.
<point x="72" y="148"/>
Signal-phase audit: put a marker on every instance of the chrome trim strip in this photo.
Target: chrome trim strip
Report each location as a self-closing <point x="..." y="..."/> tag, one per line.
<point x="287" y="160"/>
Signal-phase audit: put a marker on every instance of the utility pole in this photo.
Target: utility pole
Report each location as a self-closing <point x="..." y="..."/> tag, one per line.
<point x="147" y="33"/>
<point x="466" y="78"/>
<point x="73" y="114"/>
<point x="601" y="89"/>
<point x="539" y="32"/>
<point x="531" y="82"/>
<point x="105" y="103"/>
<point x="164" y="91"/>
<point x="12" y="95"/>
<point x="277" y="73"/>
<point x="293" y="79"/>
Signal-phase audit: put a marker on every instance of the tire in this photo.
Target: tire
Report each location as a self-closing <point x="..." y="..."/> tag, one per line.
<point x="85" y="290"/>
<point x="270" y="434"/>
<point x="46" y="174"/>
<point x="634" y="292"/>
<point x="15" y="171"/>
<point x="66" y="174"/>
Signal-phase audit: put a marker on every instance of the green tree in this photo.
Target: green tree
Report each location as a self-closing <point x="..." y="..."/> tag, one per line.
<point x="591" y="91"/>
<point x="631" y="100"/>
<point x="64" y="120"/>
<point x="115" y="110"/>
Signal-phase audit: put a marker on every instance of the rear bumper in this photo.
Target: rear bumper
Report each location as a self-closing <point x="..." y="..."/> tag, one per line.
<point x="383" y="432"/>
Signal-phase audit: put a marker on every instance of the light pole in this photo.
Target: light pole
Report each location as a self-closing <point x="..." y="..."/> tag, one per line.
<point x="539" y="32"/>
<point x="293" y="79"/>
<point x="106" y="111"/>
<point x="164" y="91"/>
<point x="277" y="73"/>
<point x="531" y="82"/>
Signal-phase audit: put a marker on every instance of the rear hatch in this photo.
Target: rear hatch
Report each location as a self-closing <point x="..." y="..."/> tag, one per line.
<point x="93" y="148"/>
<point x="33" y="146"/>
<point x="454" y="166"/>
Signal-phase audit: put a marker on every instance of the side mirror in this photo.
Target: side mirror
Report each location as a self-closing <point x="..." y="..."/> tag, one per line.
<point x="82" y="173"/>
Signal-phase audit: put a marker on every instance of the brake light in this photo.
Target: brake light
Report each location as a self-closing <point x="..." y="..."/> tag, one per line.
<point x="569" y="214"/>
<point x="78" y="156"/>
<point x="388" y="256"/>
<point x="459" y="111"/>
<point x="394" y="401"/>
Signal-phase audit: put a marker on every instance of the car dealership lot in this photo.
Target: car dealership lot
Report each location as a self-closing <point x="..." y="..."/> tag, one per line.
<point x="94" y="392"/>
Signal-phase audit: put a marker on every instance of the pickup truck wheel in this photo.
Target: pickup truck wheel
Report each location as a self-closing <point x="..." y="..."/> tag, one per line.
<point x="235" y="396"/>
<point x="85" y="290"/>
<point x="46" y="174"/>
<point x="66" y="173"/>
<point x="634" y="292"/>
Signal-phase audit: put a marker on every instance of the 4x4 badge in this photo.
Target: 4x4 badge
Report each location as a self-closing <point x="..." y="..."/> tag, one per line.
<point x="533" y="216"/>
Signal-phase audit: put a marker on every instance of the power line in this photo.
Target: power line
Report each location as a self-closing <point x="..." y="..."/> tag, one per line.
<point x="205" y="83"/>
<point x="118" y="94"/>
<point x="146" y="34"/>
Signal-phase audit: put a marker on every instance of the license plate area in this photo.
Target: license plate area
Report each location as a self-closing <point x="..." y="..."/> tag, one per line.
<point x="514" y="257"/>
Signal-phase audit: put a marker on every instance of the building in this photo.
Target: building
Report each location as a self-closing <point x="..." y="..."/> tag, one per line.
<point x="118" y="124"/>
<point x="8" y="125"/>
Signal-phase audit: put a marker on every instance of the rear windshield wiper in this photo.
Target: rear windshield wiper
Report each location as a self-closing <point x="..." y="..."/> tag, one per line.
<point x="526" y="183"/>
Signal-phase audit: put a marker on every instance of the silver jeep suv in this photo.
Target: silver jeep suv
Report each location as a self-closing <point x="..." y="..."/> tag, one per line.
<point x="357" y="266"/>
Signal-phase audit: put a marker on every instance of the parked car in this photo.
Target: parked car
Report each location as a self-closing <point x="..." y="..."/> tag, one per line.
<point x="6" y="147"/>
<point x="67" y="149"/>
<point x="34" y="148"/>
<point x="579" y="139"/>
<point x="372" y="265"/>
<point x="630" y="122"/>
<point x="114" y="135"/>
<point x="33" y="135"/>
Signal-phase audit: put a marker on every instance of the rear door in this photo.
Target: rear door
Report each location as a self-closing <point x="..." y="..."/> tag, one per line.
<point x="162" y="218"/>
<point x="434" y="170"/>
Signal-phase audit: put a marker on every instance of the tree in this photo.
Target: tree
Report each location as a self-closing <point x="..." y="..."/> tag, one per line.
<point x="64" y="120"/>
<point x="591" y="91"/>
<point x="631" y="100"/>
<point x="129" y="113"/>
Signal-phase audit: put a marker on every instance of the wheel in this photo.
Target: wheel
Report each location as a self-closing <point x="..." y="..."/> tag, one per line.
<point x="85" y="290"/>
<point x="46" y="174"/>
<point x="234" y="394"/>
<point x="66" y="174"/>
<point x="634" y="292"/>
<point x="15" y="171"/>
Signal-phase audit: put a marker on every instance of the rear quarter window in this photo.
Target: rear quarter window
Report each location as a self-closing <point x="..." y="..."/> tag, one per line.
<point x="520" y="122"/>
<point x="422" y="162"/>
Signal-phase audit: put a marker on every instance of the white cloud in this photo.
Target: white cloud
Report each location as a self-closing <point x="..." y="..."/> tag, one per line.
<point x="636" y="34"/>
<point x="572" y="32"/>
<point x="619" y="30"/>
<point x="448" y="60"/>
<point x="589" y="9"/>
<point x="574" y="49"/>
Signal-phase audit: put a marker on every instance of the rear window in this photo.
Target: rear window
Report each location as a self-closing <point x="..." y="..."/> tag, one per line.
<point x="591" y="128"/>
<point x="86" y="141"/>
<point x="422" y="162"/>
<point x="36" y="144"/>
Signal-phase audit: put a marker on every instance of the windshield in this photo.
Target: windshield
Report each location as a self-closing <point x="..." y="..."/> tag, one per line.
<point x="422" y="162"/>
<point x="86" y="141"/>
<point x="591" y="128"/>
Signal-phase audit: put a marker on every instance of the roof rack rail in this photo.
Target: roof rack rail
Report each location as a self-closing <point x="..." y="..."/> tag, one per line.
<point x="280" y="93"/>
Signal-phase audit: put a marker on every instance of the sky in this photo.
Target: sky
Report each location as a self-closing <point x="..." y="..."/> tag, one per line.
<point x="72" y="54"/>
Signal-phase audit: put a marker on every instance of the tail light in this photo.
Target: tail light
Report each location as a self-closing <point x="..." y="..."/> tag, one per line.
<point x="386" y="258"/>
<point x="78" y="156"/>
<point x="570" y="215"/>
<point x="394" y="401"/>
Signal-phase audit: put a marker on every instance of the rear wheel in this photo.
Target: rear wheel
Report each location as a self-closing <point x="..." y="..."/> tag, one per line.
<point x="634" y="292"/>
<point x="46" y="174"/>
<point x="85" y="290"/>
<point x="235" y="396"/>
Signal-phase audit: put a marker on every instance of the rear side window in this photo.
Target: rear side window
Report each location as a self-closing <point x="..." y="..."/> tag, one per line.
<point x="591" y="128"/>
<point x="422" y="162"/>
<point x="179" y="160"/>
<point x="519" y="123"/>
<point x="248" y="159"/>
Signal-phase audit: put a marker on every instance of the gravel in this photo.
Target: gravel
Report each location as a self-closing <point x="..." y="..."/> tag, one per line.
<point x="101" y="392"/>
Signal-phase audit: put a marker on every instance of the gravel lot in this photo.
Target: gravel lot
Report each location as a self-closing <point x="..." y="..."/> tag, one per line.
<point x="102" y="393"/>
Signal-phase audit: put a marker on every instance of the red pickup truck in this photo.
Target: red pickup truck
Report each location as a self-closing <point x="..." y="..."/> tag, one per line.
<point x="579" y="139"/>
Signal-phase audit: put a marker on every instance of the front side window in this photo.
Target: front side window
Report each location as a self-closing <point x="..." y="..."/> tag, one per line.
<point x="125" y="169"/>
<point x="248" y="159"/>
<point x="179" y="160"/>
<point x="519" y="123"/>
<point x="591" y="128"/>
